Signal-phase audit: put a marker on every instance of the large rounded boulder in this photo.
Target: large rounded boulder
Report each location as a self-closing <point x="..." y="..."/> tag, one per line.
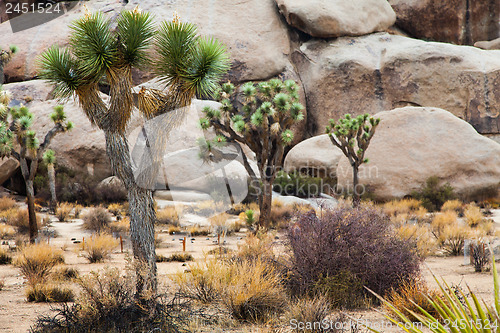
<point x="412" y="144"/>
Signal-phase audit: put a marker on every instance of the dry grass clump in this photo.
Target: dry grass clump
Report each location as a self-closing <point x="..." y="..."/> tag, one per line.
<point x="256" y="246"/>
<point x="219" y="223"/>
<point x="49" y="293"/>
<point x="473" y="215"/>
<point x="197" y="231"/>
<point x="63" y="211"/>
<point x="172" y="230"/>
<point x="120" y="226"/>
<point x="5" y="258"/>
<point x="7" y="231"/>
<point x="443" y="220"/>
<point x="452" y="239"/>
<point x="251" y="291"/>
<point x="65" y="273"/>
<point x="77" y="210"/>
<point x="18" y="218"/>
<point x="453" y="205"/>
<point x="308" y="310"/>
<point x="98" y="247"/>
<point x="405" y="206"/>
<point x="421" y="236"/>
<point x="178" y="257"/>
<point x="97" y="219"/>
<point x="411" y="295"/>
<point x="7" y="203"/>
<point x="37" y="261"/>
<point x="116" y="209"/>
<point x="168" y="215"/>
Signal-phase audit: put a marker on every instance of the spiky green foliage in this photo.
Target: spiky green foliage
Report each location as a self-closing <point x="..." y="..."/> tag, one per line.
<point x="261" y="118"/>
<point x="6" y="55"/>
<point x="352" y="135"/>
<point x="49" y="157"/>
<point x="136" y="31"/>
<point x="189" y="62"/>
<point x="458" y="313"/>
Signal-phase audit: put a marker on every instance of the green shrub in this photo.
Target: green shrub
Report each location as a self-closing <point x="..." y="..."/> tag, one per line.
<point x="297" y="184"/>
<point x="433" y="195"/>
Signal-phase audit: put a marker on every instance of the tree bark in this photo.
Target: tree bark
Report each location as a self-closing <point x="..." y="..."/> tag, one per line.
<point x="265" y="204"/>
<point x="30" y="195"/>
<point x="355" y="196"/>
<point x="52" y="184"/>
<point x="142" y="213"/>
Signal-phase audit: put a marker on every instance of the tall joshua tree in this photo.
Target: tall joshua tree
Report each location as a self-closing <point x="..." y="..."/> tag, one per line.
<point x="15" y="130"/>
<point x="352" y="135"/>
<point x="49" y="158"/>
<point x="189" y="65"/>
<point x="259" y="116"/>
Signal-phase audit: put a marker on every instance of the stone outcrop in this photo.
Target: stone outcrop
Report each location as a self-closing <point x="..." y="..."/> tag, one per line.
<point x="335" y="18"/>
<point x="380" y="72"/>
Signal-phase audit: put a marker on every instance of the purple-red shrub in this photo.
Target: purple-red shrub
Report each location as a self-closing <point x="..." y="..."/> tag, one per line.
<point x="354" y="242"/>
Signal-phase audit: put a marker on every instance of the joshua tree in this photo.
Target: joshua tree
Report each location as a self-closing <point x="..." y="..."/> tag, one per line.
<point x="259" y="116"/>
<point x="5" y="56"/>
<point x="15" y="129"/>
<point x="189" y="65"/>
<point x="352" y="136"/>
<point x="49" y="157"/>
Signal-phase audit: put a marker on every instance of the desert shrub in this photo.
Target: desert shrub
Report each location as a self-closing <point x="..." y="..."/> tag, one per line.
<point x="433" y="195"/>
<point x="49" y="293"/>
<point x="356" y="241"/>
<point x="480" y="256"/>
<point x="421" y="236"/>
<point x="37" y="261"/>
<point x="65" y="273"/>
<point x="297" y="184"/>
<point x="116" y="209"/>
<point x="120" y="226"/>
<point x="473" y="215"/>
<point x="97" y="219"/>
<point x="107" y="303"/>
<point x="219" y="223"/>
<point x="203" y="282"/>
<point x="63" y="210"/>
<point x="452" y="239"/>
<point x="6" y="231"/>
<point x="77" y="210"/>
<point x="172" y="230"/>
<point x="197" y="231"/>
<point x="168" y="215"/>
<point x="256" y="247"/>
<point x="343" y="290"/>
<point x="178" y="257"/>
<point x="98" y="247"/>
<point x="308" y="310"/>
<point x="7" y="203"/>
<point x="411" y="295"/>
<point x="454" y="205"/>
<point x="280" y="213"/>
<point x="5" y="258"/>
<point x="443" y="220"/>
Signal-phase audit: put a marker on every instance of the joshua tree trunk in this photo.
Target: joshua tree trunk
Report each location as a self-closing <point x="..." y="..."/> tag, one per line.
<point x="265" y="203"/>
<point x="142" y="213"/>
<point x="355" y="196"/>
<point x="52" y="184"/>
<point x="30" y="195"/>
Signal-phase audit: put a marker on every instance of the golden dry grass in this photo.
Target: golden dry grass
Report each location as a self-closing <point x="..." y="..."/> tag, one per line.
<point x="405" y="206"/>
<point x="63" y="211"/>
<point x="120" y="226"/>
<point x="168" y="215"/>
<point x="116" y="209"/>
<point x="172" y="230"/>
<point x="5" y="257"/>
<point x="452" y="238"/>
<point x="473" y="215"/>
<point x="7" y="203"/>
<point x="422" y="237"/>
<point x="7" y="231"/>
<point x="36" y="262"/>
<point x="98" y="247"/>
<point x="49" y="293"/>
<point x="77" y="210"/>
<point x="453" y="205"/>
<point x="443" y="220"/>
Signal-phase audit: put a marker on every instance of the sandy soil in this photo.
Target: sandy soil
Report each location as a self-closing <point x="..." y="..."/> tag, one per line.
<point x="16" y="315"/>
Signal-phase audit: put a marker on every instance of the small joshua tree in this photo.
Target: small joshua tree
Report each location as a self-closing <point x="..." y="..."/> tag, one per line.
<point x="260" y="116"/>
<point x="49" y="157"/>
<point x="352" y="136"/>
<point x="5" y="56"/>
<point x="15" y="130"/>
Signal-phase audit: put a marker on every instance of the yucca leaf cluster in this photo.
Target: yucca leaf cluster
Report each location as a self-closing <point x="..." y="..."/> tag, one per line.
<point x="259" y="115"/>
